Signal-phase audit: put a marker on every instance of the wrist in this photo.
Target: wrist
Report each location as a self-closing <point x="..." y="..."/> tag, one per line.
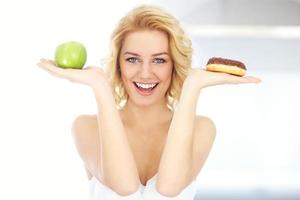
<point x="189" y="93"/>
<point x="102" y="88"/>
<point x="192" y="86"/>
<point x="103" y="95"/>
<point x="101" y="85"/>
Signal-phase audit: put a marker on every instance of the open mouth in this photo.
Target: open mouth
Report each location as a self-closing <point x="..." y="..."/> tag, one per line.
<point x="144" y="88"/>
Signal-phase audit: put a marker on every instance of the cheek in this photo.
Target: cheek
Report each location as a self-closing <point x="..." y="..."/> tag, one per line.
<point x="127" y="74"/>
<point x="169" y="77"/>
<point x="166" y="74"/>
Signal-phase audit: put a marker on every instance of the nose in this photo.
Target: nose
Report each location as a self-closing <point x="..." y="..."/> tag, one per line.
<point x="145" y="70"/>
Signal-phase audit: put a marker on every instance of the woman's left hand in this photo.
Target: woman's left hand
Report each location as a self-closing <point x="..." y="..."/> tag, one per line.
<point x="201" y="78"/>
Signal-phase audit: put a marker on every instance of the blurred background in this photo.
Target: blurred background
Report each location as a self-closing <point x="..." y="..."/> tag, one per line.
<point x="256" y="152"/>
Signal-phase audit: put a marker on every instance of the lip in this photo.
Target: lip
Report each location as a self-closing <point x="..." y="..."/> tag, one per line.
<point x="145" y="83"/>
<point x="142" y="92"/>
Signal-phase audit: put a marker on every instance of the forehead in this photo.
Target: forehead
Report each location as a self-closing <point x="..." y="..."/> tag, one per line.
<point x="146" y="42"/>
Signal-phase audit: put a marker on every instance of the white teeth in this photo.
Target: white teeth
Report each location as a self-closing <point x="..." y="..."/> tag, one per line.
<point x="146" y="86"/>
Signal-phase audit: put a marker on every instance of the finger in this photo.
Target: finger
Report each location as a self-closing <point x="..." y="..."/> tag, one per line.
<point x="233" y="79"/>
<point x="247" y="80"/>
<point x="253" y="79"/>
<point x="89" y="67"/>
<point x="42" y="65"/>
<point x="40" y="62"/>
<point x="51" y="68"/>
<point x="52" y="61"/>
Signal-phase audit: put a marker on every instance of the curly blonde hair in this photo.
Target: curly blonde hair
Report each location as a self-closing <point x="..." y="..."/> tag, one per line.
<point x="151" y="18"/>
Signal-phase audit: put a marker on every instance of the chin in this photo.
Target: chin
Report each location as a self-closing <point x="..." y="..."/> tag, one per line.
<point x="143" y="102"/>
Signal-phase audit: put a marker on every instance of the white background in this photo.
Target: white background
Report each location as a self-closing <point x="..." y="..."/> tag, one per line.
<point x="257" y="144"/>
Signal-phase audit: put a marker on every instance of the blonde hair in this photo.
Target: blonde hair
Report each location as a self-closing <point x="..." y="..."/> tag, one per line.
<point x="151" y="18"/>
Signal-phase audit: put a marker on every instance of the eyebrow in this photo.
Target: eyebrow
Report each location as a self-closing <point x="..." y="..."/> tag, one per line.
<point x="156" y="54"/>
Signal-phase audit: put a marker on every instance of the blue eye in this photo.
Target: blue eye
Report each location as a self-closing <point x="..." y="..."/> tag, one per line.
<point x="159" y="60"/>
<point x="132" y="60"/>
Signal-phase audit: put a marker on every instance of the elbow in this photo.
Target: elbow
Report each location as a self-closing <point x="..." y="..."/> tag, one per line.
<point x="173" y="187"/>
<point x="126" y="192"/>
<point x="124" y="189"/>
<point x="168" y="190"/>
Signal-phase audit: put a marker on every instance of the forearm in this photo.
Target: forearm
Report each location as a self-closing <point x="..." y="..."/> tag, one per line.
<point x="119" y="168"/>
<point x="175" y="168"/>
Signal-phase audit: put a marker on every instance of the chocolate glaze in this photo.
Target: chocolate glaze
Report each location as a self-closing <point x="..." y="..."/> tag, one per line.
<point x="224" y="61"/>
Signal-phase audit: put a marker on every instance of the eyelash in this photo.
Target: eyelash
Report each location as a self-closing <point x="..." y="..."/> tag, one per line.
<point x="132" y="58"/>
<point x="161" y="60"/>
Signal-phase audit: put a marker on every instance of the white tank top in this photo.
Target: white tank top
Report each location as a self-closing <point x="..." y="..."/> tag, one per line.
<point x="99" y="191"/>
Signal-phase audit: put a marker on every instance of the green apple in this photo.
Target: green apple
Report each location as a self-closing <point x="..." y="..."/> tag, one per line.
<point x="70" y="55"/>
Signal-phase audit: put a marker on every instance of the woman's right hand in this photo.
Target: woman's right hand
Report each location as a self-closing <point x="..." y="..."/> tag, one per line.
<point x="91" y="76"/>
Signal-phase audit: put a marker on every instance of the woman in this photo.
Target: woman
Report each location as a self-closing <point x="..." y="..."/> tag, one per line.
<point x="146" y="141"/>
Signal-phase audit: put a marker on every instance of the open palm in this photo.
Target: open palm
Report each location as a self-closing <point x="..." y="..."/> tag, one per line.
<point x="203" y="78"/>
<point x="88" y="75"/>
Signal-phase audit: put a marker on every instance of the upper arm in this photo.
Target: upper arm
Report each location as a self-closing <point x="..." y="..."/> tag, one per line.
<point x="86" y="139"/>
<point x="203" y="138"/>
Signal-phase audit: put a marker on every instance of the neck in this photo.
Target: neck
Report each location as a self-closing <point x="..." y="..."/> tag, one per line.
<point x="146" y="117"/>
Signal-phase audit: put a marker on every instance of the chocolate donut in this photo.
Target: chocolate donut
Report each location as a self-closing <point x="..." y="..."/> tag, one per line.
<point x="229" y="66"/>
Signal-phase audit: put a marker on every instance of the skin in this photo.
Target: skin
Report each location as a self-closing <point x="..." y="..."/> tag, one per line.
<point x="149" y="64"/>
<point x="147" y="136"/>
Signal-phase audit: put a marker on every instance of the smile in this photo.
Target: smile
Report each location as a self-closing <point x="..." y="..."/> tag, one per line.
<point x="145" y="89"/>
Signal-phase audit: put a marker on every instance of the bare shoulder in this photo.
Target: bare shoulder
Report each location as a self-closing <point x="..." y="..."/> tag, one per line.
<point x="203" y="139"/>
<point x="86" y="139"/>
<point x="83" y="127"/>
<point x="83" y="121"/>
<point x="204" y="125"/>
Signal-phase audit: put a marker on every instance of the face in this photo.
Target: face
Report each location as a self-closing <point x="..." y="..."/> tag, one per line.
<point x="146" y="66"/>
